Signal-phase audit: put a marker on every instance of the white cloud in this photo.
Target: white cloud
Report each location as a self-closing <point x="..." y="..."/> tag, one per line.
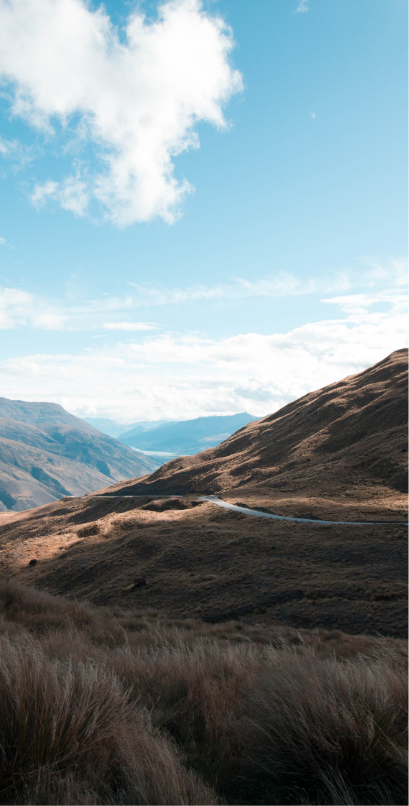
<point x="182" y="376"/>
<point x="21" y="308"/>
<point x="302" y="7"/>
<point x="2" y="241"/>
<point x="136" y="101"/>
<point x="14" y="305"/>
<point x="12" y="149"/>
<point x="42" y="192"/>
<point x="358" y="304"/>
<point x="130" y="326"/>
<point x="312" y="115"/>
<point x="394" y="273"/>
<point x="72" y="194"/>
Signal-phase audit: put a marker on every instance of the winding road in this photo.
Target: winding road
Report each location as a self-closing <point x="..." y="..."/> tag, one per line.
<point x="214" y="499"/>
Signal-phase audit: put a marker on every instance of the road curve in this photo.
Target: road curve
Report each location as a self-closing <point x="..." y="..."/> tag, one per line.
<point x="213" y="499"/>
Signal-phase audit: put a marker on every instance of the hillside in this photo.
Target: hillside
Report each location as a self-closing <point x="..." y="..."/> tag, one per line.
<point x="46" y="453"/>
<point x="347" y="440"/>
<point x="188" y="436"/>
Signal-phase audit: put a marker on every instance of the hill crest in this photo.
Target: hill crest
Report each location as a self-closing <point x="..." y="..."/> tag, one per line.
<point x="352" y="432"/>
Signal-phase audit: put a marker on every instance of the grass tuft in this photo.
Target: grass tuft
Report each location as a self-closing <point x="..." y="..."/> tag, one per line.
<point x="112" y="707"/>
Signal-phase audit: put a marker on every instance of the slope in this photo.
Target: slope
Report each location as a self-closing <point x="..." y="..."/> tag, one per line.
<point x="180" y="559"/>
<point x="345" y="441"/>
<point x="49" y="453"/>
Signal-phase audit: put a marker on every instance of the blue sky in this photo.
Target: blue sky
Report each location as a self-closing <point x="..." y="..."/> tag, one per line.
<point x="203" y="210"/>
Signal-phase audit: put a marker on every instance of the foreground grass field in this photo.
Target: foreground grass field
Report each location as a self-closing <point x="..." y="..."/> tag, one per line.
<point x="107" y="706"/>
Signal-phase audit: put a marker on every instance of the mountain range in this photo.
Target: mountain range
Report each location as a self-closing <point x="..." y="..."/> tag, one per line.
<point x="47" y="453"/>
<point x="114" y="429"/>
<point x="186" y="437"/>
<point x="166" y="437"/>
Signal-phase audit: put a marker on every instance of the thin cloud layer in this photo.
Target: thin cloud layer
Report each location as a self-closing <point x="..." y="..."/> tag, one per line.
<point x="24" y="309"/>
<point x="129" y="326"/>
<point x="281" y="284"/>
<point x="183" y="376"/>
<point x="136" y="100"/>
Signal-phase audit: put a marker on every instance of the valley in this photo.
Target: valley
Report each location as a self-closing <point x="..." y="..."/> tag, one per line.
<point x="323" y="457"/>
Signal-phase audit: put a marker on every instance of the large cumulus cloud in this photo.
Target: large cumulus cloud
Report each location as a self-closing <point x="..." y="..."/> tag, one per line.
<point x="135" y="96"/>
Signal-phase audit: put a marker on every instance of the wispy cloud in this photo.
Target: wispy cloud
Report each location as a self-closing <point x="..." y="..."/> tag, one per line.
<point x="15" y="151"/>
<point x="395" y="272"/>
<point x="302" y="7"/>
<point x="130" y="326"/>
<point x="281" y="284"/>
<point x="21" y="308"/>
<point x="24" y="309"/>
<point x="359" y="304"/>
<point x="4" y="242"/>
<point x="136" y="100"/>
<point x="72" y="194"/>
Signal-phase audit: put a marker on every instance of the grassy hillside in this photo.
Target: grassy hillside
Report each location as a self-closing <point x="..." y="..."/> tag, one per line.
<point x="345" y="436"/>
<point x="108" y="706"/>
<point x="190" y="560"/>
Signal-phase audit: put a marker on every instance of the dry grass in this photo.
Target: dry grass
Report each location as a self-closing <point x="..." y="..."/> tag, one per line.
<point x="207" y="563"/>
<point x="105" y="706"/>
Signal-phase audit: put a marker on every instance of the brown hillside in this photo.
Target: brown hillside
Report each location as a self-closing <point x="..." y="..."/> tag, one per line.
<point x="184" y="560"/>
<point x="348" y="439"/>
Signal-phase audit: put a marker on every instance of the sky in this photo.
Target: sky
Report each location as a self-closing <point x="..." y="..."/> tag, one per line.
<point x="204" y="204"/>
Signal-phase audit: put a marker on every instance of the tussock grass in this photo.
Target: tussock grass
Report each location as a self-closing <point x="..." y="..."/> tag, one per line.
<point x="103" y="706"/>
<point x="75" y="722"/>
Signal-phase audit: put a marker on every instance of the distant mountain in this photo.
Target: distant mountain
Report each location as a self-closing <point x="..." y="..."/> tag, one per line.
<point x="140" y="428"/>
<point x="107" y="426"/>
<point x="114" y="429"/>
<point x="47" y="453"/>
<point x="189" y="436"/>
